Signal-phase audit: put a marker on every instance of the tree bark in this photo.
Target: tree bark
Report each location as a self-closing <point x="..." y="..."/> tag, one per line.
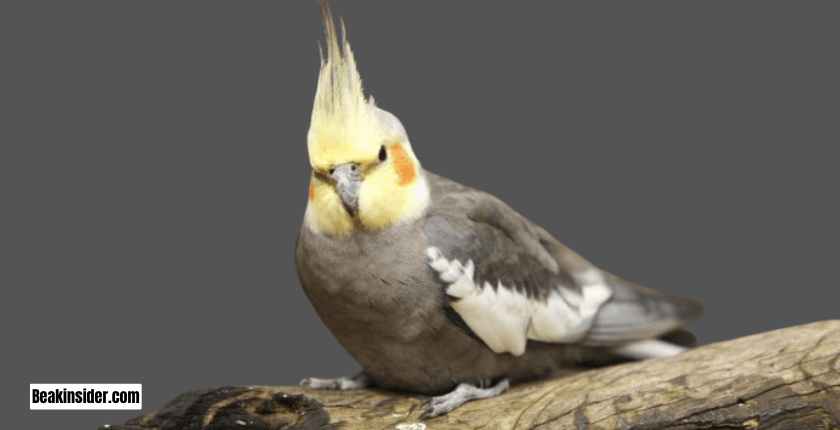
<point x="783" y="379"/>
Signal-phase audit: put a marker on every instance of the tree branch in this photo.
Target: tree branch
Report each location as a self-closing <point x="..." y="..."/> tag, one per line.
<point x="783" y="379"/>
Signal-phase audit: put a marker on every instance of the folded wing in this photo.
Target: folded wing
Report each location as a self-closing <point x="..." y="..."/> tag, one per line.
<point x="510" y="281"/>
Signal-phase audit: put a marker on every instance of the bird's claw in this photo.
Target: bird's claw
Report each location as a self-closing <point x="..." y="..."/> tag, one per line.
<point x="440" y="405"/>
<point x="354" y="382"/>
<point x="429" y="413"/>
<point x="321" y="384"/>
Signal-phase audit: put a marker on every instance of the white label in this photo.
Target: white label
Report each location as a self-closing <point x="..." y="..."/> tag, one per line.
<point x="85" y="396"/>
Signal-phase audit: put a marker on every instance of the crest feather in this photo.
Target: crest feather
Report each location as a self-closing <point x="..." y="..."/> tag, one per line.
<point x="341" y="116"/>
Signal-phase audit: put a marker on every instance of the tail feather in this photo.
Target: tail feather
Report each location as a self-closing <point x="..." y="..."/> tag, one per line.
<point x="648" y="348"/>
<point x="635" y="313"/>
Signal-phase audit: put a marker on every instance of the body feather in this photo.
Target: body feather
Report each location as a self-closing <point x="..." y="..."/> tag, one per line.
<point x="430" y="284"/>
<point x="380" y="295"/>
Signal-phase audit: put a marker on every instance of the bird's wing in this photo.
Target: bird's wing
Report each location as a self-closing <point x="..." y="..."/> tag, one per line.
<point x="636" y="313"/>
<point x="510" y="281"/>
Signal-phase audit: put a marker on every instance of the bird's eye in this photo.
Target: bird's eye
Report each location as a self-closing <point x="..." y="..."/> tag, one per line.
<point x="383" y="155"/>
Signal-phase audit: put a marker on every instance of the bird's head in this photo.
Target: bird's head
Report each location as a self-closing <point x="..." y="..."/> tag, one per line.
<point x="364" y="174"/>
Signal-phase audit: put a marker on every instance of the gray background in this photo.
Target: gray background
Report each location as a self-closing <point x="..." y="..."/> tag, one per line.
<point x="155" y="169"/>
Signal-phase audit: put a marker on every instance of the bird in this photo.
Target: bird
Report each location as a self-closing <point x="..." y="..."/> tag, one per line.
<point x="439" y="289"/>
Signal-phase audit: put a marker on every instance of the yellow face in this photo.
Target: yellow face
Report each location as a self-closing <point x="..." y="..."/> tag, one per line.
<point x="363" y="187"/>
<point x="364" y="175"/>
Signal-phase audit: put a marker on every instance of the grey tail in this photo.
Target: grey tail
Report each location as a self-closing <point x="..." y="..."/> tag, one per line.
<point x="637" y="313"/>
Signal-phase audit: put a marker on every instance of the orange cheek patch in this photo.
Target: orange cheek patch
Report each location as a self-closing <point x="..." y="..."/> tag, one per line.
<point x="311" y="192"/>
<point x="403" y="165"/>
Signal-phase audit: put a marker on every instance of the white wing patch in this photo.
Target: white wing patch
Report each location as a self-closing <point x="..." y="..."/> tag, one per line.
<point x="505" y="319"/>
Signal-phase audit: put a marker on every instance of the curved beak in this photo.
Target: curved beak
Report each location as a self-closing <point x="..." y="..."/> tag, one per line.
<point x="347" y="179"/>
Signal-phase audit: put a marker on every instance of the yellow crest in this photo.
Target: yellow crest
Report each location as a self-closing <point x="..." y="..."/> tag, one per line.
<point x="344" y="125"/>
<point x="349" y="130"/>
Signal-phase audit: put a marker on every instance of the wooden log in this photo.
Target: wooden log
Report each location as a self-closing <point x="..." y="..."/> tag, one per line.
<point x="783" y="379"/>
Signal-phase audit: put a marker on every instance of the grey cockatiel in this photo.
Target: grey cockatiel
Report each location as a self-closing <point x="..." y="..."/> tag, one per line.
<point x="439" y="289"/>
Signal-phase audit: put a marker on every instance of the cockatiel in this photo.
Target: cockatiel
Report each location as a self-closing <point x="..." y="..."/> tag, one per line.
<point x="439" y="289"/>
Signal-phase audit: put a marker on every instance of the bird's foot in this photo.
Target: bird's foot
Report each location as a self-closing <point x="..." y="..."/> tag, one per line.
<point x="464" y="392"/>
<point x="355" y="382"/>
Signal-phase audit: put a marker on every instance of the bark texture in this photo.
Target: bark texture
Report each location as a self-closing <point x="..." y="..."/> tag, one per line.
<point x="783" y="379"/>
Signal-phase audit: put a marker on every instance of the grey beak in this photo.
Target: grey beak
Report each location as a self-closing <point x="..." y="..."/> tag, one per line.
<point x="347" y="180"/>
